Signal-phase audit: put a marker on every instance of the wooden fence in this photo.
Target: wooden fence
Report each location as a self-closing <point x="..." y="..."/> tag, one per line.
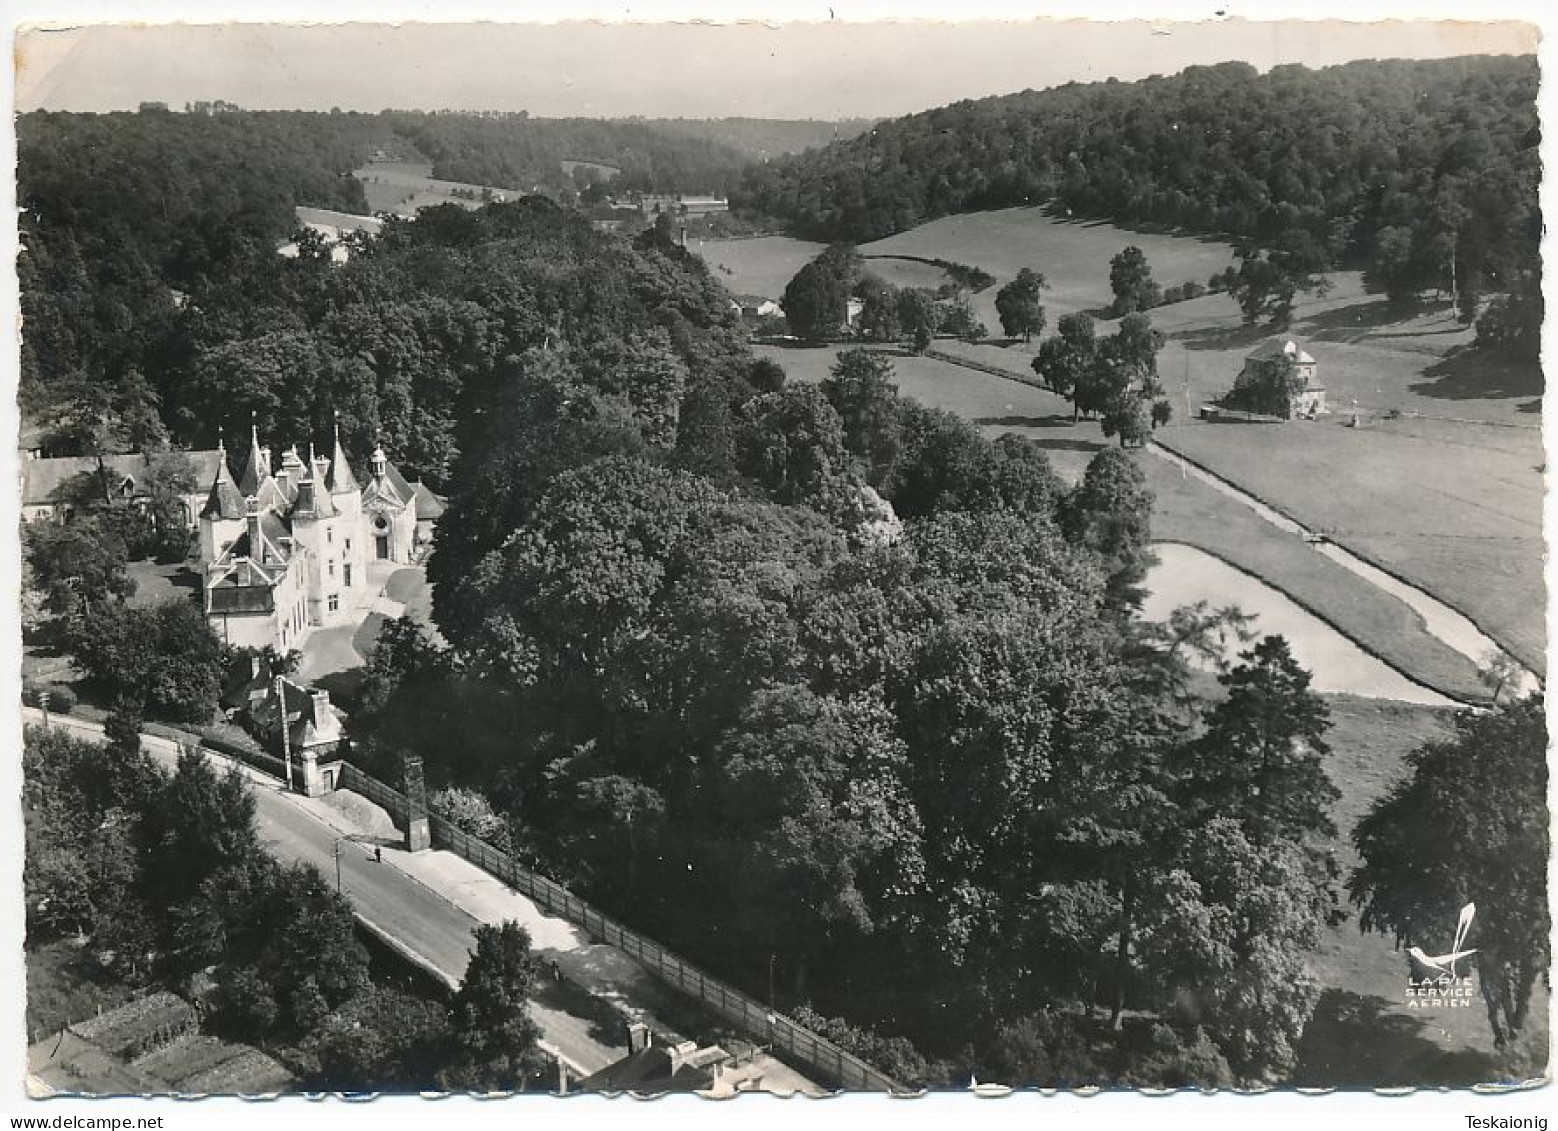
<point x="758" y="1021"/>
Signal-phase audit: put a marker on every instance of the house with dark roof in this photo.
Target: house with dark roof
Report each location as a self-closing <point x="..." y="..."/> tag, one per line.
<point x="53" y="487"/>
<point x="285" y="547"/>
<point x="1309" y="400"/>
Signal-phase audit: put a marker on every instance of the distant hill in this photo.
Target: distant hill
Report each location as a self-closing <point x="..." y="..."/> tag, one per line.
<point x="1426" y="164"/>
<point x="519" y="150"/>
<point x="764" y="138"/>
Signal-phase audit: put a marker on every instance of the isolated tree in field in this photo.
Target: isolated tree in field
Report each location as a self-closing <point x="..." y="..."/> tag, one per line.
<point x="1470" y="825"/>
<point x="1130" y="278"/>
<point x="1018" y="305"/>
<point x="1064" y="360"/>
<point x="1125" y="415"/>
<point x="1268" y="281"/>
<point x="489" y="1019"/>
<point x="860" y="388"/>
<point x="1261" y="759"/>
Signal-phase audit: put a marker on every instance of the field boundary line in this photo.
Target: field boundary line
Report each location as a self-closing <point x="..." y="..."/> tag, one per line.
<point x="1457" y="700"/>
<point x="1157" y="443"/>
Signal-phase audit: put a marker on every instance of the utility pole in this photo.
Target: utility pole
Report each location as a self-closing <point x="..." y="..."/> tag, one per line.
<point x="286" y="731"/>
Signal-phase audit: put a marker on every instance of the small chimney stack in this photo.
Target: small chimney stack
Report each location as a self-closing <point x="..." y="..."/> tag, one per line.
<point x="256" y="543"/>
<point x="638" y="1037"/>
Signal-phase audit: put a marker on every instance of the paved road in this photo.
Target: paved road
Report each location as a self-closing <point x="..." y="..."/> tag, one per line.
<point x="432" y="930"/>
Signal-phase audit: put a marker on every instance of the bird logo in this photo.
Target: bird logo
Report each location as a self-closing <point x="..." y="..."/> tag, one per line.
<point x="1443" y="965"/>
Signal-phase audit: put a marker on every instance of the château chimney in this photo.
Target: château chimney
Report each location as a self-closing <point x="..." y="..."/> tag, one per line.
<point x="256" y="543"/>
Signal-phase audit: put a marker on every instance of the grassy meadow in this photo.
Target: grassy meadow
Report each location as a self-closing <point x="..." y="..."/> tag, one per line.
<point x="401" y="187"/>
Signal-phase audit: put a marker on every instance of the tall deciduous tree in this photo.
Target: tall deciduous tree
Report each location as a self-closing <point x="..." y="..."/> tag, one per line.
<point x="1018" y="305"/>
<point x="490" y="1023"/>
<point x="816" y="300"/>
<point x="1469" y="825"/>
<point x="1065" y="360"/>
<point x="1130" y="278"/>
<point x="1110" y="512"/>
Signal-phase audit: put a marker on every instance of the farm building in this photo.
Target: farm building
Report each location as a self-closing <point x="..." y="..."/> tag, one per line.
<point x="653" y="204"/>
<point x="755" y="306"/>
<point x="333" y="228"/>
<point x="1308" y="401"/>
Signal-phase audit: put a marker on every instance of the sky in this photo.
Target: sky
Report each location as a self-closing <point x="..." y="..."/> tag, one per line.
<point x="794" y="70"/>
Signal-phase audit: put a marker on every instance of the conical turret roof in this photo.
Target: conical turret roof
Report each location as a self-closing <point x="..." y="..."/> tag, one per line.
<point x="340" y="480"/>
<point x="257" y="470"/>
<point x="223" y="501"/>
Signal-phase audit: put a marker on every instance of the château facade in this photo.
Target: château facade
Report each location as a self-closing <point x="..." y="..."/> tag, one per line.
<point x="287" y="548"/>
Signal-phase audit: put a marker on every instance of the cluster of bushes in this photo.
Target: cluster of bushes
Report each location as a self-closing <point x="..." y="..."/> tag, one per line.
<point x="62" y="699"/>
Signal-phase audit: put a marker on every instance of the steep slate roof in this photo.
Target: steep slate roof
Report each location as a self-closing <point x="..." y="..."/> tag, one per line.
<point x="340" y="479"/>
<point x="1279" y="347"/>
<point x="223" y="501"/>
<point x="429" y="505"/>
<point x="44" y="480"/>
<point x="393" y="488"/>
<point x="257" y="470"/>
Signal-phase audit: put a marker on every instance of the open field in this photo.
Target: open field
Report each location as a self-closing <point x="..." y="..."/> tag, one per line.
<point x="1073" y="255"/>
<point x="1460" y="519"/>
<point x="1187" y="511"/>
<point x="1443" y="485"/>
<point x="401" y="187"/>
<point x="763" y="265"/>
<point x="600" y="170"/>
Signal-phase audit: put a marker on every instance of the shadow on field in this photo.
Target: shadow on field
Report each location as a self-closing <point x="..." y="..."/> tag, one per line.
<point x="1345" y="323"/>
<point x="1057" y="444"/>
<point x="1223" y="338"/>
<point x="1467" y="374"/>
<point x="1353" y="1041"/>
<point x="1054" y="420"/>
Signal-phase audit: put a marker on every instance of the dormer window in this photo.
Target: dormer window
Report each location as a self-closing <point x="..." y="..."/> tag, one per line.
<point x="127" y="486"/>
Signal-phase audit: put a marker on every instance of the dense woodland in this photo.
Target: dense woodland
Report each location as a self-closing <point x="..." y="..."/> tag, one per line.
<point x="525" y="153"/>
<point x="1412" y="168"/>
